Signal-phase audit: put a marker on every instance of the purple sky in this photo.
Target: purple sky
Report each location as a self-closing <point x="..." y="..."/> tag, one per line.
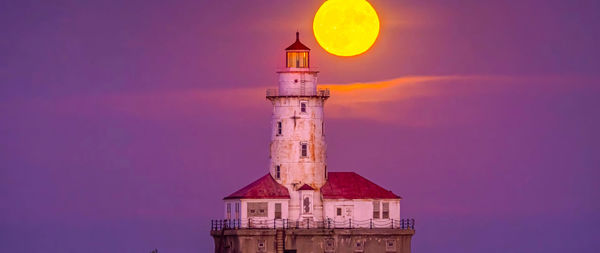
<point x="124" y="123"/>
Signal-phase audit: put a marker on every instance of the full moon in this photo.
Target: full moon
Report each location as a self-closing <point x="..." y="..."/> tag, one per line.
<point x="346" y="27"/>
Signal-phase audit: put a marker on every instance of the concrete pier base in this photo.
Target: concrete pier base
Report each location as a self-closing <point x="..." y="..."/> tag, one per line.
<point x="313" y="240"/>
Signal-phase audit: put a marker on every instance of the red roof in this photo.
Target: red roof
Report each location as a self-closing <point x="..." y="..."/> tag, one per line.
<point x="349" y="185"/>
<point x="264" y="188"/>
<point x="297" y="45"/>
<point x="306" y="187"/>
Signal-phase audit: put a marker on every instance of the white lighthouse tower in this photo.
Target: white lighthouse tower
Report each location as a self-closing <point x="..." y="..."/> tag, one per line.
<point x="298" y="147"/>
<point x="299" y="206"/>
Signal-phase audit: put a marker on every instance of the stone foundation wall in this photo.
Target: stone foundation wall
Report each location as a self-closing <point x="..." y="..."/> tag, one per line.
<point x="313" y="240"/>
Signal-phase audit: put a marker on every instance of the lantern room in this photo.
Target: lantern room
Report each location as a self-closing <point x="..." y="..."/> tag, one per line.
<point x="297" y="55"/>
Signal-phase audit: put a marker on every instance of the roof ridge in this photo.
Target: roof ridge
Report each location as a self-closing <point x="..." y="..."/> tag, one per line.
<point x="263" y="188"/>
<point x="351" y="185"/>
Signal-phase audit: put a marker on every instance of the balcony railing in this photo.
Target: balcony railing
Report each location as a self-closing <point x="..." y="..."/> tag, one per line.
<point x="311" y="224"/>
<point x="324" y="93"/>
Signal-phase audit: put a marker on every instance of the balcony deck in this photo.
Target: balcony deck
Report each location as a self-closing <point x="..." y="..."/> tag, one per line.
<point x="403" y="224"/>
<point x="322" y="93"/>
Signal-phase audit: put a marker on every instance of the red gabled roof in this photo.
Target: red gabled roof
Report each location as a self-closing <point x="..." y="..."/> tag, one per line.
<point x="306" y="187"/>
<point x="297" y="45"/>
<point x="264" y="188"/>
<point x="349" y="185"/>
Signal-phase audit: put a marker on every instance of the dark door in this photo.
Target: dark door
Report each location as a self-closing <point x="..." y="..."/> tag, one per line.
<point x="289" y="251"/>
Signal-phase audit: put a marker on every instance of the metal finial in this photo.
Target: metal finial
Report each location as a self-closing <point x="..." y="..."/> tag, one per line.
<point x="297" y="35"/>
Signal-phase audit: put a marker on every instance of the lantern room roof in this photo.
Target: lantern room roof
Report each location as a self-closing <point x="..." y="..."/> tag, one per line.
<point x="263" y="188"/>
<point x="297" y="45"/>
<point x="349" y="185"/>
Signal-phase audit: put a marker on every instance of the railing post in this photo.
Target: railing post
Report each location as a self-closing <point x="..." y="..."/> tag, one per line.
<point x="350" y="220"/>
<point x="328" y="223"/>
<point x="413" y="224"/>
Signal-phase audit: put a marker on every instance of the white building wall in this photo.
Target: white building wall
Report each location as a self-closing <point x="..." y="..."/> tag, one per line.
<point x="271" y="208"/>
<point x="232" y="203"/>
<point x="361" y="211"/>
<point x="259" y="221"/>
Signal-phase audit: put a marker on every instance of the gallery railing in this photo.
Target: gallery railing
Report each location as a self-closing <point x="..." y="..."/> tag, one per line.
<point x="308" y="224"/>
<point x="299" y="93"/>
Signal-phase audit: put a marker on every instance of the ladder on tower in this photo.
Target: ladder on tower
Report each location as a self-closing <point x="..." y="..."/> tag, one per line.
<point x="302" y="85"/>
<point x="280" y="240"/>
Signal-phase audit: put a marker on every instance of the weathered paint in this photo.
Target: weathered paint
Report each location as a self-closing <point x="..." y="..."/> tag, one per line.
<point x="314" y="240"/>
<point x="297" y="86"/>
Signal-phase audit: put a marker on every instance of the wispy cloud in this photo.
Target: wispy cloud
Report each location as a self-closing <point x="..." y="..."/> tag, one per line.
<point x="394" y="101"/>
<point x="371" y="100"/>
<point x="353" y="100"/>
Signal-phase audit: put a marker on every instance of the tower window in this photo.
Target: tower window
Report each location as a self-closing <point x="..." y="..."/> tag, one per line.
<point x="390" y="245"/>
<point x="329" y="245"/>
<point x="359" y="246"/>
<point x="376" y="210"/>
<point x="228" y="211"/>
<point x="278" y="172"/>
<point x="303" y="149"/>
<point x="257" y="209"/>
<point x="279" y="128"/>
<point x="338" y="211"/>
<point x="306" y="204"/>
<point x="297" y="60"/>
<point x="303" y="106"/>
<point x="262" y="246"/>
<point x="385" y="214"/>
<point x="277" y="210"/>
<point x="237" y="210"/>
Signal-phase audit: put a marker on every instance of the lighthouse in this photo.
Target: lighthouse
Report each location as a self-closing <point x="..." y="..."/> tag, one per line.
<point x="300" y="206"/>
<point x="297" y="149"/>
